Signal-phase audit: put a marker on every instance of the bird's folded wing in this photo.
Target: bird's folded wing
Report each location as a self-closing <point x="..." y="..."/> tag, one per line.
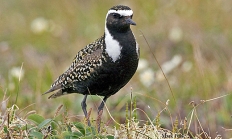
<point x="83" y="65"/>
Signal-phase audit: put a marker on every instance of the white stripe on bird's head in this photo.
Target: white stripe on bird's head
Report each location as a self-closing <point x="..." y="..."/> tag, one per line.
<point x="121" y="12"/>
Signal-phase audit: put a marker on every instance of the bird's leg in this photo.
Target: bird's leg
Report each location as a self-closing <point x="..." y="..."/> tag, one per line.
<point x="100" y="110"/>
<point x="83" y="105"/>
<point x="101" y="106"/>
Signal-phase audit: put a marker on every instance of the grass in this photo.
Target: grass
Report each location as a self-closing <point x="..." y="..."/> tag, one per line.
<point x="19" y="123"/>
<point x="197" y="33"/>
<point x="16" y="123"/>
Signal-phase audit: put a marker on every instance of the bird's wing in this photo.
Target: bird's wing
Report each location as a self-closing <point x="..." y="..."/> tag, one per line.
<point x="85" y="62"/>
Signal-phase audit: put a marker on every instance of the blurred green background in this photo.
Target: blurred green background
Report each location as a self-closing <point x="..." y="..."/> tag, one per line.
<point x="192" y="40"/>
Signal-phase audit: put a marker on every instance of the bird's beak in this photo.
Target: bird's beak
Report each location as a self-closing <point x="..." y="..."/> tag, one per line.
<point x="130" y="21"/>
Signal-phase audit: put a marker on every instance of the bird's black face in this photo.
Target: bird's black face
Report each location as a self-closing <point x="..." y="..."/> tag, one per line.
<point x="119" y="20"/>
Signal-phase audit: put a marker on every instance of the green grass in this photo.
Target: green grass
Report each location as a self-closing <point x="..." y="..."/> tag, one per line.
<point x="198" y="31"/>
<point x="17" y="123"/>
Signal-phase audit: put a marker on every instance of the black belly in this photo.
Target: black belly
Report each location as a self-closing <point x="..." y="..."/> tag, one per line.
<point x="107" y="80"/>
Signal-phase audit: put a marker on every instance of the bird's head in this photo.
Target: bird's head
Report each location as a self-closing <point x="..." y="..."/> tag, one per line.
<point x="119" y="18"/>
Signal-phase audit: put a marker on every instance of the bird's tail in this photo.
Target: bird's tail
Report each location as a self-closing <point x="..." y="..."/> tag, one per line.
<point x="57" y="94"/>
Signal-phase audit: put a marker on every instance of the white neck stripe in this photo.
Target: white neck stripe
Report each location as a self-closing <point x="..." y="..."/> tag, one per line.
<point x="113" y="47"/>
<point x="121" y="12"/>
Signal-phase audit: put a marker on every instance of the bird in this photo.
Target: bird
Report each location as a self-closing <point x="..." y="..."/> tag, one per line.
<point x="104" y="66"/>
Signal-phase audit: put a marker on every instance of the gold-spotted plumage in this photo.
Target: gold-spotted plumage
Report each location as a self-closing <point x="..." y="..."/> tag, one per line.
<point x="83" y="64"/>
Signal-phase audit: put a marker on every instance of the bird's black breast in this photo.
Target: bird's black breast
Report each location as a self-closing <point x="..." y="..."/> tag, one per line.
<point x="111" y="76"/>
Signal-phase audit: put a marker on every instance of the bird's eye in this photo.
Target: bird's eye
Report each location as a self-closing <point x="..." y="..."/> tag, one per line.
<point x="116" y="15"/>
